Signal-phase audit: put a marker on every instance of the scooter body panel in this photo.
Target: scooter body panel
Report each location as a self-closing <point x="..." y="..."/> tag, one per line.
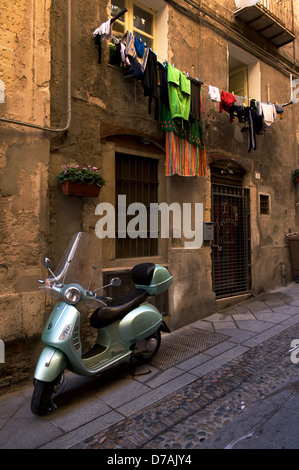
<point x="118" y="338"/>
<point x="51" y="363"/>
<point x="140" y="323"/>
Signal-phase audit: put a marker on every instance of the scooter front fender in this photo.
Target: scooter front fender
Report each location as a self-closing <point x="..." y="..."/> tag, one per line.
<point x="51" y="363"/>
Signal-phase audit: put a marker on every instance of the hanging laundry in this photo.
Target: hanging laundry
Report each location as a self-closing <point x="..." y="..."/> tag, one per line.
<point x="196" y="105"/>
<point x="191" y="130"/>
<point x="279" y="110"/>
<point x="103" y="32"/>
<point x="183" y="158"/>
<point x="214" y="93"/>
<point x="227" y="101"/>
<point x="257" y="117"/>
<point x="251" y="132"/>
<point x="239" y="100"/>
<point x="179" y="91"/>
<point x="136" y="51"/>
<point x="269" y="112"/>
<point x="196" y="100"/>
<point x="150" y="82"/>
<point x="163" y="84"/>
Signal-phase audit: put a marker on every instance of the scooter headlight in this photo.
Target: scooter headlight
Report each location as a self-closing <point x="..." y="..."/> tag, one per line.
<point x="72" y="295"/>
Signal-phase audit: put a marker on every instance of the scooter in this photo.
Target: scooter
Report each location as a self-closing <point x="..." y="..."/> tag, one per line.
<point x="127" y="326"/>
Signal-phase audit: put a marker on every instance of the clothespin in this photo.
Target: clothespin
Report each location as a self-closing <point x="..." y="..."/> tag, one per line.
<point x="173" y="65"/>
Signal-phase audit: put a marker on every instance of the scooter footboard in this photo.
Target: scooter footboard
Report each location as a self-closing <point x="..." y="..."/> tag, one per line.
<point x="51" y="363"/>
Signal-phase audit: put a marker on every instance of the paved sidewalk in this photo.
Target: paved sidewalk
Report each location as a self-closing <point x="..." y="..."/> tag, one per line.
<point x="185" y="375"/>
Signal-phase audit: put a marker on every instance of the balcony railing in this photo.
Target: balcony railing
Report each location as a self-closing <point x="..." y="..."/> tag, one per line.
<point x="282" y="10"/>
<point x="273" y="19"/>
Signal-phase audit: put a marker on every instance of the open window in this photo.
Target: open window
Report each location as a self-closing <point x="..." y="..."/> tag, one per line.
<point x="244" y="74"/>
<point x="139" y="19"/>
<point x="146" y="19"/>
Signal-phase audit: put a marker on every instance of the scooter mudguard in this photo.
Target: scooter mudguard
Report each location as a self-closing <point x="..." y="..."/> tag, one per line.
<point x="51" y="363"/>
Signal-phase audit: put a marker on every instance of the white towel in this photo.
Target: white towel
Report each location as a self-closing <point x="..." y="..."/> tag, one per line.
<point x="214" y="93"/>
<point x="269" y="112"/>
<point x="103" y="30"/>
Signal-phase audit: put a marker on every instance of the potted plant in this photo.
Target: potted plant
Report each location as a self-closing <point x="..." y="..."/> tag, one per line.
<point x="76" y="181"/>
<point x="295" y="175"/>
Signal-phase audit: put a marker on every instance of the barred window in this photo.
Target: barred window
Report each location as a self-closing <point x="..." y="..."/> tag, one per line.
<point x="137" y="179"/>
<point x="264" y="204"/>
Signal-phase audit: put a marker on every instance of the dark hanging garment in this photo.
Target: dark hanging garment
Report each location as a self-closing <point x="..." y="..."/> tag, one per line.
<point x="251" y="131"/>
<point x="195" y="116"/>
<point x="150" y="82"/>
<point x="133" y="70"/>
<point x="195" y="106"/>
<point x="163" y="84"/>
<point x="98" y="42"/>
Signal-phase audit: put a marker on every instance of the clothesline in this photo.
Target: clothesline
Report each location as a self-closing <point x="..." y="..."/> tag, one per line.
<point x="239" y="99"/>
<point x="179" y="108"/>
<point x="105" y="30"/>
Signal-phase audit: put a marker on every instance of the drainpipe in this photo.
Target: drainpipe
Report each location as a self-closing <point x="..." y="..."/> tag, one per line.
<point x="69" y="62"/>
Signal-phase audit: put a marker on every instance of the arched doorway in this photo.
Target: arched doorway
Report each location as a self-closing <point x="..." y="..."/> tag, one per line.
<point x="231" y="216"/>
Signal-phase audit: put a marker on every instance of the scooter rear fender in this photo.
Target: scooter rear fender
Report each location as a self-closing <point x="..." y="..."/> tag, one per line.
<point x="51" y="363"/>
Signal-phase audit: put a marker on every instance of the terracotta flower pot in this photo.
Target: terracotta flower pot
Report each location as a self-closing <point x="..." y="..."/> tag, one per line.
<point x="71" y="188"/>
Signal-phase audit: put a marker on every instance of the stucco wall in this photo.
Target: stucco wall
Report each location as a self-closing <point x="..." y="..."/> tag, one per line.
<point x="25" y="72"/>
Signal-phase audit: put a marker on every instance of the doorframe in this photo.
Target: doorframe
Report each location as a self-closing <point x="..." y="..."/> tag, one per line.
<point x="228" y="173"/>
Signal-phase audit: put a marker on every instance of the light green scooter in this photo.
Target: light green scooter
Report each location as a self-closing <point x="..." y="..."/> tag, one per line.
<point x="128" y="327"/>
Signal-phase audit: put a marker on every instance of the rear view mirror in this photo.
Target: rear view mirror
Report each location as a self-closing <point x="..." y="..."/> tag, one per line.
<point x="47" y="263"/>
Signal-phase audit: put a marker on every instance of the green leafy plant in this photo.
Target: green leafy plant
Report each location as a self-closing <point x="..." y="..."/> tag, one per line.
<point x="85" y="175"/>
<point x="295" y="173"/>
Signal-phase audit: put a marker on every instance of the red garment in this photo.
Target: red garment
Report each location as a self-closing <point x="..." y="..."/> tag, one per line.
<point x="227" y="100"/>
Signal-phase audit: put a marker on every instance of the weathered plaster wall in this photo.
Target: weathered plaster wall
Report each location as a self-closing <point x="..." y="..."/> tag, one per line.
<point x="25" y="72"/>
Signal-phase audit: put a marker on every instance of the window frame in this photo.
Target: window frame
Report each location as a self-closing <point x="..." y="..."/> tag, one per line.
<point x="109" y="149"/>
<point x="128" y="24"/>
<point x="253" y="76"/>
<point x="130" y="177"/>
<point x="264" y="204"/>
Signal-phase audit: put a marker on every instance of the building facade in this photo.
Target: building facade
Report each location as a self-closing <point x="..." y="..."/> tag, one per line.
<point x="72" y="95"/>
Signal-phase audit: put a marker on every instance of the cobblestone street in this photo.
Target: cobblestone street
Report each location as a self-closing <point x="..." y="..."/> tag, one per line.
<point x="189" y="417"/>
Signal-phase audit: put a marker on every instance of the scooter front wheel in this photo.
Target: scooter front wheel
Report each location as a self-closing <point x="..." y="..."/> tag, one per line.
<point x="41" y="402"/>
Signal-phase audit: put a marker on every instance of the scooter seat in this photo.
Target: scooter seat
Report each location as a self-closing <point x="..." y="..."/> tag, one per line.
<point x="118" y="308"/>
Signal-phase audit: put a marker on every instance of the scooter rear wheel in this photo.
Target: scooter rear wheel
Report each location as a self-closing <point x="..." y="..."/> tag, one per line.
<point x="148" y="356"/>
<point x="41" y="402"/>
